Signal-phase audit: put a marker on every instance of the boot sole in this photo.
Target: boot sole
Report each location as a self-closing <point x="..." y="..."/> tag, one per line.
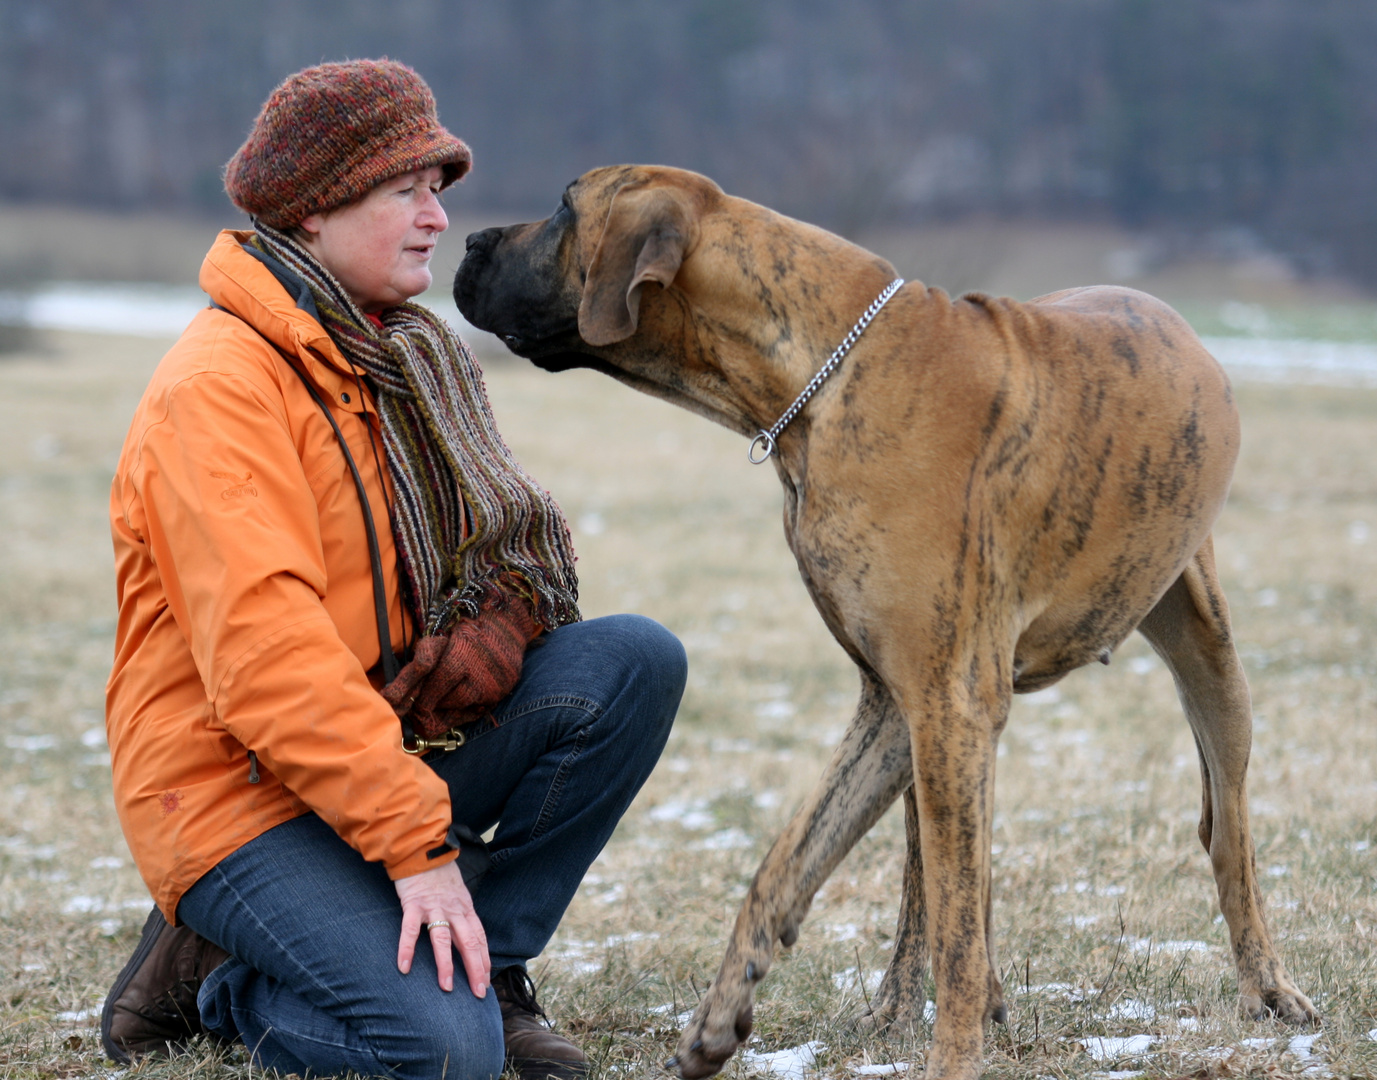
<point x="107" y="1013"/>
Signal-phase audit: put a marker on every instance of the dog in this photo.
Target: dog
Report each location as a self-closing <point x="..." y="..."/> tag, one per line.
<point x="983" y="495"/>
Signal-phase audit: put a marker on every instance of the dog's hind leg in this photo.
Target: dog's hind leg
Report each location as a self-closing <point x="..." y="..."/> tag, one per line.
<point x="902" y="995"/>
<point x="1189" y="628"/>
<point x="868" y="770"/>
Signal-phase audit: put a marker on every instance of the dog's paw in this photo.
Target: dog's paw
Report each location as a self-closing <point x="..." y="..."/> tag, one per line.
<point x="1284" y="1002"/>
<point x="878" y="1020"/>
<point x="995" y="1007"/>
<point x="720" y="1024"/>
<point x="708" y="1041"/>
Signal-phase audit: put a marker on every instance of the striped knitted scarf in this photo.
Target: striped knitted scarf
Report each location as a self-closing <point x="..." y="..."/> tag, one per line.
<point x="445" y="458"/>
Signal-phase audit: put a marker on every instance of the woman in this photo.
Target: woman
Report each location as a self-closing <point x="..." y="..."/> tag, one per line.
<point x="312" y="496"/>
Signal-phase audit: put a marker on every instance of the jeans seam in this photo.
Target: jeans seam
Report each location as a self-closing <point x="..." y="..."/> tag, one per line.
<point x="547" y="809"/>
<point x="555" y="701"/>
<point x="365" y="1034"/>
<point x="271" y="1030"/>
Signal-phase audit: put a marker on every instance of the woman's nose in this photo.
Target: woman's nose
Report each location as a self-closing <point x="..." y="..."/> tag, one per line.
<point x="433" y="216"/>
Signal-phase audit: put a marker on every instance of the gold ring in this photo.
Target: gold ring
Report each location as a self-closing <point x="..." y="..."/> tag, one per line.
<point x="442" y="922"/>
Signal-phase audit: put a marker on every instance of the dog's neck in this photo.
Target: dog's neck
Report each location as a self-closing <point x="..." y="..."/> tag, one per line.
<point x="766" y="362"/>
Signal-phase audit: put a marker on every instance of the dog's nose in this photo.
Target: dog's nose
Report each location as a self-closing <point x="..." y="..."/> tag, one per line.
<point x="484" y="239"/>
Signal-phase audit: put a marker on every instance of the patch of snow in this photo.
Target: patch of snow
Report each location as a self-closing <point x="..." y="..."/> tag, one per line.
<point x="1081" y="922"/>
<point x="843" y="931"/>
<point x="693" y="816"/>
<point x="775" y="710"/>
<point x="1134" y="1010"/>
<point x="768" y="800"/>
<point x="846" y="980"/>
<point x="83" y="905"/>
<point x="1111" y="1048"/>
<point x="31" y="744"/>
<point x="93" y="738"/>
<point x="79" y="1017"/>
<point x="106" y="862"/>
<point x="726" y="840"/>
<point x="1360" y="845"/>
<point x="1067" y="991"/>
<point x="613" y="895"/>
<point x="930" y="1012"/>
<point x="1050" y="696"/>
<point x="680" y="1019"/>
<point x="791" y="1064"/>
<point x="880" y="1070"/>
<point x="627" y="939"/>
<point x="1141" y="665"/>
<point x="1372" y="1034"/>
<point x="109" y="927"/>
<point x="1290" y="360"/>
<point x="1117" y="1074"/>
<point x="1143" y="945"/>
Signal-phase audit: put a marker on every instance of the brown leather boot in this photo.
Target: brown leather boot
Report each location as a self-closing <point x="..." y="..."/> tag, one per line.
<point x="151" y="1009"/>
<point x="533" y="1050"/>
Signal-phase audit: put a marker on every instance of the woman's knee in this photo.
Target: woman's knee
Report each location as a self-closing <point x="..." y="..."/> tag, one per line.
<point x="652" y="657"/>
<point x="456" y="1051"/>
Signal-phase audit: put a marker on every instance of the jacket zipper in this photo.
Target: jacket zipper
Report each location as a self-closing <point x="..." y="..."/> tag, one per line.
<point x="253" y="767"/>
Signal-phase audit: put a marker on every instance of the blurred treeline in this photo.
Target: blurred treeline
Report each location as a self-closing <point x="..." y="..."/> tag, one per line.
<point x="1193" y="114"/>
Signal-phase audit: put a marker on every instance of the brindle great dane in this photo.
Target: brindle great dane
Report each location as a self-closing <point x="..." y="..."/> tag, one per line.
<point x="984" y="496"/>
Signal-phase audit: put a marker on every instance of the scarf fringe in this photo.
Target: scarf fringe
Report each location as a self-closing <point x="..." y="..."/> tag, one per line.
<point x="446" y="458"/>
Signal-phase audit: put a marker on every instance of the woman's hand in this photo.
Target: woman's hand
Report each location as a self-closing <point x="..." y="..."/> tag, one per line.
<point x="439" y="897"/>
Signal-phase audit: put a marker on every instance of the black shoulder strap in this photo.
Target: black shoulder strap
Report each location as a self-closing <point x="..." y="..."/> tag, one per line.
<point x="390" y="665"/>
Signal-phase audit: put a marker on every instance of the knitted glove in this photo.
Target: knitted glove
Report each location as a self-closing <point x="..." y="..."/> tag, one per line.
<point x="457" y="677"/>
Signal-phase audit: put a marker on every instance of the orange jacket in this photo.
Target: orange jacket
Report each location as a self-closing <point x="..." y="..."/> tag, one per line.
<point x="246" y="616"/>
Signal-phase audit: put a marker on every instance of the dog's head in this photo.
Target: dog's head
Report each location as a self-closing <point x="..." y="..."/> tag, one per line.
<point x="590" y="286"/>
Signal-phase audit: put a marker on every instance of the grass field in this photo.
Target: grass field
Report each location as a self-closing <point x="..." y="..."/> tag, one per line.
<point x="1105" y="908"/>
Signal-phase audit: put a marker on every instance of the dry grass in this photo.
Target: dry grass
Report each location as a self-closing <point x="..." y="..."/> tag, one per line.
<point x="1096" y="849"/>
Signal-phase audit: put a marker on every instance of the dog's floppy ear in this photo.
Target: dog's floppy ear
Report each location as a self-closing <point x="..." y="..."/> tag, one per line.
<point x="648" y="231"/>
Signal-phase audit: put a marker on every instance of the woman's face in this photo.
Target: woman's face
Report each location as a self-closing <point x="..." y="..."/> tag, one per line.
<point x="379" y="248"/>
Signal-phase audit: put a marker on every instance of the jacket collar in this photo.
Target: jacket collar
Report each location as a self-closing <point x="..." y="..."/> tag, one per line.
<point x="247" y="287"/>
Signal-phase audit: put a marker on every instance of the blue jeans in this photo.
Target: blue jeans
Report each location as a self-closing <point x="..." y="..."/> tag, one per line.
<point x="312" y="929"/>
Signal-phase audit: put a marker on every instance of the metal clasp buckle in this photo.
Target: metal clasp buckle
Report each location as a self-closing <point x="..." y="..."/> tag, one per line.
<point x="450" y="740"/>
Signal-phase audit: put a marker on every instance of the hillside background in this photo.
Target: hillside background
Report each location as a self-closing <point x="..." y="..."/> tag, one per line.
<point x="1213" y="123"/>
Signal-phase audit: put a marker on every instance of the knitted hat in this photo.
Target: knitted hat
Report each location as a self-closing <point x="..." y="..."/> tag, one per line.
<point x="330" y="134"/>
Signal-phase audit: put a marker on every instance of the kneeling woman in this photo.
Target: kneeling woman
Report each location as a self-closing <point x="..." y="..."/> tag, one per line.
<point x="332" y="573"/>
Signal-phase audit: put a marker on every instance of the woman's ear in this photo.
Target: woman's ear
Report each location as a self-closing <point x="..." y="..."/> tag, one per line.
<point x="310" y="226"/>
<point x="647" y="235"/>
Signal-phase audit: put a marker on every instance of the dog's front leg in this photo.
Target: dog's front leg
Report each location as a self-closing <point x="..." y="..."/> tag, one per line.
<point x="868" y="770"/>
<point x="955" y="734"/>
